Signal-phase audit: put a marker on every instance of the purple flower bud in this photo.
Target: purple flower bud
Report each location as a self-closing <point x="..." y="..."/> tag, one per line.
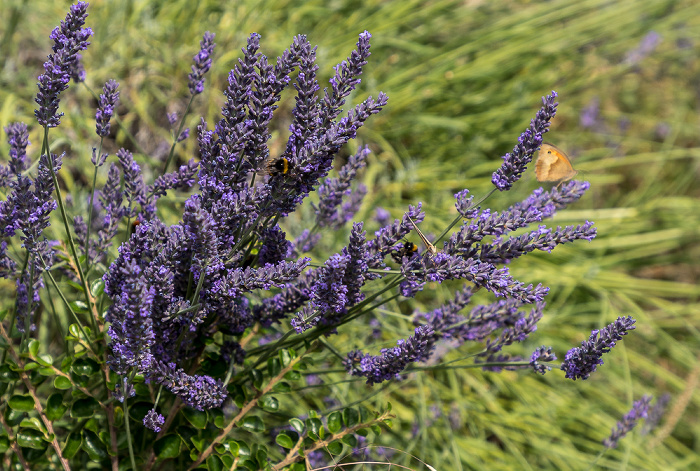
<point x="581" y="361"/>
<point x="392" y="361"/>
<point x="628" y="422"/>
<point x="542" y="354"/>
<point x="18" y="139"/>
<point x="202" y="64"/>
<point x="64" y="63"/>
<point x="105" y="109"/>
<point x="655" y="414"/>
<point x="153" y="420"/>
<point x="515" y="163"/>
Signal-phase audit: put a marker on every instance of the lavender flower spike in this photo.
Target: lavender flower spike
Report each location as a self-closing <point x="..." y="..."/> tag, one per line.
<point x="515" y="163"/>
<point x="69" y="38"/>
<point x="392" y="361"/>
<point x="580" y="362"/>
<point x="629" y="421"/>
<point x="202" y="64"/>
<point x="105" y="109"/>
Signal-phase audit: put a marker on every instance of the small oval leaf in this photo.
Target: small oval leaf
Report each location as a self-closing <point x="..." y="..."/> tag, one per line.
<point x="284" y="440"/>
<point x="55" y="407"/>
<point x="61" y="382"/>
<point x="86" y="407"/>
<point x="197" y="418"/>
<point x="31" y="438"/>
<point x="168" y="447"/>
<point x="93" y="446"/>
<point x="335" y="422"/>
<point x="21" y="403"/>
<point x="253" y="424"/>
<point x="72" y="445"/>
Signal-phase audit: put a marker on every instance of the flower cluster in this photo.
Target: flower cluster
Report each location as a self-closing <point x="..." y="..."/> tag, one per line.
<point x="189" y="293"/>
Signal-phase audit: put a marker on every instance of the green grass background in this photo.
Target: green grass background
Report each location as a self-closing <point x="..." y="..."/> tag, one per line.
<point x="463" y="79"/>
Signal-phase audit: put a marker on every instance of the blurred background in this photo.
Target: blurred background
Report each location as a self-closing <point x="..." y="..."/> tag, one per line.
<point x="463" y="79"/>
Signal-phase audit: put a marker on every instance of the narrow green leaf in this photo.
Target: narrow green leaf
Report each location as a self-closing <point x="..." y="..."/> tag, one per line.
<point x="21" y="403"/>
<point x="261" y="456"/>
<point x="167" y="447"/>
<point x="233" y="447"/>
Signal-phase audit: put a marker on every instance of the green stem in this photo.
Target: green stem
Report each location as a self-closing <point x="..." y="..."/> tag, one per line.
<point x="177" y="134"/>
<point x="64" y="217"/>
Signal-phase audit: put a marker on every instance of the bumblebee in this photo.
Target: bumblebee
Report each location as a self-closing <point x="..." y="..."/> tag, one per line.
<point x="431" y="248"/>
<point x="408" y="249"/>
<point x="279" y="166"/>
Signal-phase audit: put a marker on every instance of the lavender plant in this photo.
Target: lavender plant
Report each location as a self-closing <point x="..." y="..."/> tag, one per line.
<point x="163" y="349"/>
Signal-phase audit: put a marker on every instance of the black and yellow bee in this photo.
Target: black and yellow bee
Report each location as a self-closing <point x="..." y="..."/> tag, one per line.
<point x="279" y="166"/>
<point x="407" y="250"/>
<point x="431" y="248"/>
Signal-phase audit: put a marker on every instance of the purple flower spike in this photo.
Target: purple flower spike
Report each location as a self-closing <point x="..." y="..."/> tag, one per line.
<point x="18" y="139"/>
<point x="108" y="101"/>
<point x="629" y="421"/>
<point x="581" y="361"/>
<point x="332" y="190"/>
<point x="515" y="163"/>
<point x="392" y="361"/>
<point x="202" y="64"/>
<point x="64" y="63"/>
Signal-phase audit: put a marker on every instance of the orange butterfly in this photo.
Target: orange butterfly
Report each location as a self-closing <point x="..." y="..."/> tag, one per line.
<point x="553" y="165"/>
